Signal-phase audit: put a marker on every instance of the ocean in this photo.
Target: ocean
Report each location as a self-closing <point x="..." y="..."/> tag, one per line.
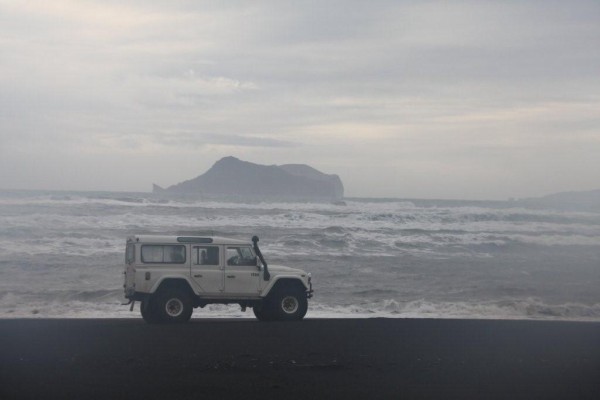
<point x="62" y="254"/>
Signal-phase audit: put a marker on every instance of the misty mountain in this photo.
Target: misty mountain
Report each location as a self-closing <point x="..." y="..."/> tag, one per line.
<point x="585" y="200"/>
<point x="241" y="180"/>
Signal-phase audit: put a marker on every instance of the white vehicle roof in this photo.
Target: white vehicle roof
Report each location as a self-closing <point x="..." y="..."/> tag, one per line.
<point x="184" y="239"/>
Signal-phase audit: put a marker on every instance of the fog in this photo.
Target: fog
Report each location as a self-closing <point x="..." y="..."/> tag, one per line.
<point x="471" y="100"/>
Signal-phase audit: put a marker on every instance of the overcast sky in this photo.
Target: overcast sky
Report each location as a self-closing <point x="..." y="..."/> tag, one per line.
<point x="440" y="99"/>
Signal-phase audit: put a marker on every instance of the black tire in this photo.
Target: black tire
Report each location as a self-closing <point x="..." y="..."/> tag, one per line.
<point x="173" y="306"/>
<point x="290" y="304"/>
<point x="263" y="312"/>
<point x="148" y="311"/>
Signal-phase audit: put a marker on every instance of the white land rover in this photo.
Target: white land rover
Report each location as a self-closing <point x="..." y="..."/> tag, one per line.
<point x="172" y="275"/>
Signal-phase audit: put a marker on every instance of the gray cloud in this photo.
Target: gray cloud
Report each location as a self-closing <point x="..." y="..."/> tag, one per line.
<point x="192" y="139"/>
<point x="409" y="98"/>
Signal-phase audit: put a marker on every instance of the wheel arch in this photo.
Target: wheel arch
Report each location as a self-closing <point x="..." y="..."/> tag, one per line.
<point x="284" y="282"/>
<point x="173" y="282"/>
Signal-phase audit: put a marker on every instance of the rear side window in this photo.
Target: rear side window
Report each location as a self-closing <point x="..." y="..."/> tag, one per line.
<point x="166" y="254"/>
<point x="206" y="255"/>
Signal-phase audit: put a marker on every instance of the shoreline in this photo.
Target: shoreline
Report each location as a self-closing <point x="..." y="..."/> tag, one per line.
<point x="247" y="316"/>
<point x="315" y="358"/>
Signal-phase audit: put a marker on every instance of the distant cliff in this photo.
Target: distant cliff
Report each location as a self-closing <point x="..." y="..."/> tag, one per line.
<point x="583" y="201"/>
<point x="235" y="179"/>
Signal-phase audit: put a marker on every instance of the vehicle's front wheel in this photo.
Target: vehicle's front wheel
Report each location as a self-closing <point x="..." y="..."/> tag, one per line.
<point x="173" y="306"/>
<point x="290" y="304"/>
<point x="264" y="312"/>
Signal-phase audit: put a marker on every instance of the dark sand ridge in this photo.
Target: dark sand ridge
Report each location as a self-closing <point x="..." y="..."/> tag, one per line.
<point x="312" y="359"/>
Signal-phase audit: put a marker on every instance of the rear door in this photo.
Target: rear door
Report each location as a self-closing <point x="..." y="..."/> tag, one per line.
<point x="207" y="270"/>
<point x="129" y="269"/>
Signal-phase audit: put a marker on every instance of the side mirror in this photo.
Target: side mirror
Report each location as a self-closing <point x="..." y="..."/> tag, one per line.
<point x="258" y="263"/>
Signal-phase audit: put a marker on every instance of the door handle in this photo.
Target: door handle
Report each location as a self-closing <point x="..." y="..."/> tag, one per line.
<point x="198" y="276"/>
<point x="231" y="276"/>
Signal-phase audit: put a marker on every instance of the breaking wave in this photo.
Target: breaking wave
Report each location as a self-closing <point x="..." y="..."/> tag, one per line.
<point x="61" y="254"/>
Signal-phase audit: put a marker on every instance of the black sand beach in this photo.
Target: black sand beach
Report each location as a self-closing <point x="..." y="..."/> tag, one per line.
<point x="318" y="359"/>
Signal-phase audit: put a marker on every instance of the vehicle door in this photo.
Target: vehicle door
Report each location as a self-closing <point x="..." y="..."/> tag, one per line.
<point x="207" y="269"/>
<point x="241" y="271"/>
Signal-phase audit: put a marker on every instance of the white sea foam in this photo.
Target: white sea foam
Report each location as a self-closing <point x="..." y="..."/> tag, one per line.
<point x="12" y="307"/>
<point x="61" y="255"/>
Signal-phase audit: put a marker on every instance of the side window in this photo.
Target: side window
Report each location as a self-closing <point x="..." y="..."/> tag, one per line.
<point x="242" y="255"/>
<point x="206" y="255"/>
<point x="248" y="255"/>
<point x="152" y="254"/>
<point x="174" y="254"/>
<point x="163" y="254"/>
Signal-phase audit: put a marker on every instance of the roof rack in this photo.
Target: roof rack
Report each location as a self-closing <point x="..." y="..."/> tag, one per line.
<point x="194" y="239"/>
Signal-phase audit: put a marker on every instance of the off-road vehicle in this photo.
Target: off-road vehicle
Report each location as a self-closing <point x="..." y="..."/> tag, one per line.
<point x="172" y="275"/>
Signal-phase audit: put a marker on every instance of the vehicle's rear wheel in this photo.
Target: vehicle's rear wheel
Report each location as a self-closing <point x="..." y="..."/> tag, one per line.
<point x="148" y="310"/>
<point x="173" y="306"/>
<point x="290" y="304"/>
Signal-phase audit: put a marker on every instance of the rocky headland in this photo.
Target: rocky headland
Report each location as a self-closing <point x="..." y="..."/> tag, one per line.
<point x="234" y="179"/>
